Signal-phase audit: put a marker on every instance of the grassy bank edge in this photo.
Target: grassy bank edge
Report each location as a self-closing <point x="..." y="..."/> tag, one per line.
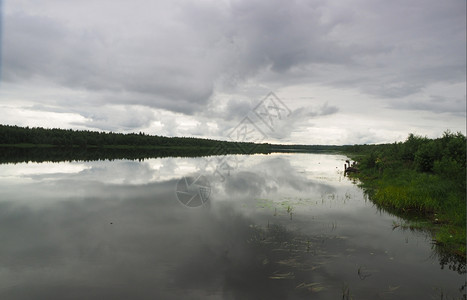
<point x="450" y="238"/>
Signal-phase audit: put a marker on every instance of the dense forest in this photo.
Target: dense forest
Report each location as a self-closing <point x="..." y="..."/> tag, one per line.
<point x="83" y="138"/>
<point x="422" y="179"/>
<point x="24" y="137"/>
<point x="68" y="138"/>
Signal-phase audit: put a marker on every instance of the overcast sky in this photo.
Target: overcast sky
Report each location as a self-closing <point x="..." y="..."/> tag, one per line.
<point x="345" y="72"/>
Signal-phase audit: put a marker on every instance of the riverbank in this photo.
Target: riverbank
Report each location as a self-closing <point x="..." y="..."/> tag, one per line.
<point x="421" y="180"/>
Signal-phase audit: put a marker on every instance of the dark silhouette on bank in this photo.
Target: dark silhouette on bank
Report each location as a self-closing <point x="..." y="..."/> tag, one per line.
<point x="350" y="168"/>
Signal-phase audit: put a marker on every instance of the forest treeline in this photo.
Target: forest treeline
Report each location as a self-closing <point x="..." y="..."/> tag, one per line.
<point x="24" y="137"/>
<point x="15" y="135"/>
<point x="445" y="156"/>
<point x="422" y="178"/>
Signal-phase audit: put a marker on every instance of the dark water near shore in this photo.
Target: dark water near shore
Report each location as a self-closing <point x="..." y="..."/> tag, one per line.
<point x="282" y="226"/>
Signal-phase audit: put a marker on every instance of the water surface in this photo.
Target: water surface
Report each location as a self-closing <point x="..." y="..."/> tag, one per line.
<point x="281" y="226"/>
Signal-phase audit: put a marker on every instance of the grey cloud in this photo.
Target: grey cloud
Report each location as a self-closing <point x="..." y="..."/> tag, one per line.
<point x="41" y="47"/>
<point x="235" y="109"/>
<point x="36" y="46"/>
<point x="310" y="111"/>
<point x="115" y="120"/>
<point x="394" y="49"/>
<point x="434" y="103"/>
<point x="393" y="89"/>
<point x="300" y="117"/>
<point x="180" y="55"/>
<point x="110" y="118"/>
<point x="328" y="110"/>
<point x="281" y="34"/>
<point x="239" y="107"/>
<point x="170" y="71"/>
<point x="279" y="128"/>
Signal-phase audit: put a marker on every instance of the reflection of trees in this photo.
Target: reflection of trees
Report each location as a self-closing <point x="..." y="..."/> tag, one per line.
<point x="71" y="144"/>
<point x="53" y="154"/>
<point x="451" y="260"/>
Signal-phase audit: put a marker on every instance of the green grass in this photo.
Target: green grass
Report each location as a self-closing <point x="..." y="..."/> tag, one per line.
<point x="429" y="202"/>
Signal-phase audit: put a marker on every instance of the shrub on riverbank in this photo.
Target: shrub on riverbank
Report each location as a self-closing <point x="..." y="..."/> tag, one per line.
<point x="422" y="178"/>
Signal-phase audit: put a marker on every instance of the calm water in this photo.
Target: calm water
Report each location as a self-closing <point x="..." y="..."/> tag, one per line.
<point x="263" y="227"/>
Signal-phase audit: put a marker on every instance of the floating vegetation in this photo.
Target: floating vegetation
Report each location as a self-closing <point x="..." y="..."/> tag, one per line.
<point x="333" y="225"/>
<point x="362" y="273"/>
<point x="289" y="256"/>
<point x="264" y="203"/>
<point x="288" y="275"/>
<point x="345" y="291"/>
<point x="412" y="225"/>
<point x="392" y="290"/>
<point x="395" y="225"/>
<point x="290" y="262"/>
<point x="312" y="287"/>
<point x="286" y="206"/>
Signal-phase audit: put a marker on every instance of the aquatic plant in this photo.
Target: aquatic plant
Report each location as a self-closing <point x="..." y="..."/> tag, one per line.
<point x="345" y="292"/>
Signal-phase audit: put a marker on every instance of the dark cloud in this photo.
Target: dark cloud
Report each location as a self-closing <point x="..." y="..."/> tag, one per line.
<point x="176" y="70"/>
<point x="180" y="56"/>
<point x="281" y="34"/>
<point x="299" y="118"/>
<point x="45" y="49"/>
<point x="235" y="109"/>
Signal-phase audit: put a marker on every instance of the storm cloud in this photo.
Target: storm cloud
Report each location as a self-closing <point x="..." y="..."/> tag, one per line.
<point x="118" y="65"/>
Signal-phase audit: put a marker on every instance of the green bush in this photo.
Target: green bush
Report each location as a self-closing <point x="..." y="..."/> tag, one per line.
<point x="422" y="176"/>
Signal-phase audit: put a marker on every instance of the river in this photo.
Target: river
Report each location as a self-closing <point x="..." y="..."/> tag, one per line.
<point x="279" y="226"/>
